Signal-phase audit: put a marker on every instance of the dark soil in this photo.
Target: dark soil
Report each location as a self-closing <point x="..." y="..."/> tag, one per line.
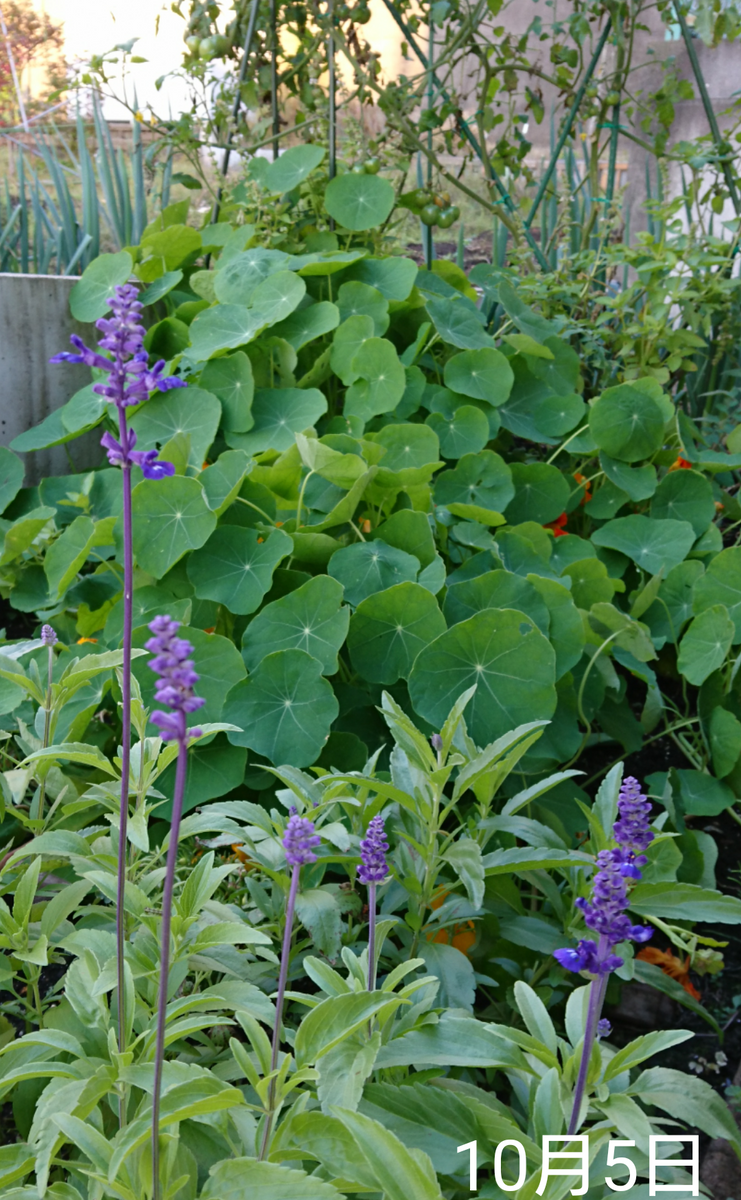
<point x="477" y="250"/>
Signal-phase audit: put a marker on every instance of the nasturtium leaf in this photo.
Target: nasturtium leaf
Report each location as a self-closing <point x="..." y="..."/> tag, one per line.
<point x="230" y="1179"/>
<point x="606" y="502"/>
<point x="495" y="589"/>
<point x="407" y="446"/>
<point x="230" y="380"/>
<point x="637" y="482"/>
<point x="217" y="662"/>
<point x="379" y="379"/>
<point x="237" y="279"/>
<point x="460" y="324"/>
<point x="292" y="167"/>
<point x="685" y="496"/>
<point x="171" y="517"/>
<point x="167" y="338"/>
<point x="561" y="369"/>
<point x="526" y="320"/>
<point x="483" y="374"/>
<point x="214" y="769"/>
<point x="388" y="630"/>
<point x="541" y="493"/>
<point x="309" y="618"/>
<point x="88" y="299"/>
<point x="673" y="606"/>
<point x="146" y="604"/>
<point x="627" y="423"/>
<point x="50" y="432"/>
<point x="224" y="327"/>
<point x="173" y="245"/>
<point x="189" y="411"/>
<point x="558" y="415"/>
<point x="278" y="296"/>
<point x="500" y="652"/>
<point x="359" y="202"/>
<point x="368" y="567"/>
<point x="160" y="287"/>
<point x="566" y="634"/>
<point x="68" y="553"/>
<point x="221" y="481"/>
<point x="725" y="741"/>
<point x="653" y="545"/>
<point x="590" y="582"/>
<point x="706" y="643"/>
<point x="410" y="531"/>
<point x="361" y="300"/>
<point x="483" y="479"/>
<point x="466" y="432"/>
<point x="235" y="567"/>
<point x="279" y="413"/>
<point x="518" y="414"/>
<point x="285" y="708"/>
<point x="306" y="324"/>
<point x="11" y="477"/>
<point x="394" y="277"/>
<point x="85" y="409"/>
<point x="346" y="343"/>
<point x="24" y="531"/>
<point x="721" y="584"/>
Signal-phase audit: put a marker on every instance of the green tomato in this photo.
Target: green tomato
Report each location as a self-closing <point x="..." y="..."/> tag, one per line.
<point x="430" y="215"/>
<point x="361" y="15"/>
<point x="421" y="197"/>
<point x="222" y="45"/>
<point x="193" y="44"/>
<point x="358" y="168"/>
<point x="207" y="48"/>
<point x="613" y="98"/>
<point x="372" y="165"/>
<point x="446" y="218"/>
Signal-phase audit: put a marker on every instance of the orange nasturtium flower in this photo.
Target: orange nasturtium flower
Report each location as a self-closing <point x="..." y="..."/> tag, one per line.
<point x="461" y="937"/>
<point x="558" y="526"/>
<point x="671" y="965"/>
<point x="681" y="464"/>
<point x="586" y="484"/>
<point x="81" y="641"/>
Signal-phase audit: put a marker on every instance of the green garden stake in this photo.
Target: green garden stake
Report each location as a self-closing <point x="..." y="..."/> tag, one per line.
<point x="460" y="253"/>
<point x="274" y="76"/>
<point x="332" y="97"/>
<point x="429" y="254"/>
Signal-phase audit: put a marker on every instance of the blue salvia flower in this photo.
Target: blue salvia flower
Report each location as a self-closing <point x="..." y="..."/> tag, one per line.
<point x="373" y="867"/>
<point x="177" y="679"/>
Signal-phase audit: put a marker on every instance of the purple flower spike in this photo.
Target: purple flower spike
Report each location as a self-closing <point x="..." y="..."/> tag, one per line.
<point x="373" y="868"/>
<point x="48" y="636"/>
<point x="177" y="679"/>
<point x="299" y="841"/>
<point x="436" y="742"/>
<point x="604" y="1028"/>
<point x="152" y="466"/>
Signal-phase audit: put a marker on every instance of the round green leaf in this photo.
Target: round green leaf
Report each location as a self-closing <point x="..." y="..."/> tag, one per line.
<point x="627" y="423"/>
<point x="235" y="567"/>
<point x="379" y="377"/>
<point x="653" y="545"/>
<point x="278" y="296"/>
<point x="638" y="482"/>
<point x="558" y="415"/>
<point x="495" y="589"/>
<point x="360" y="300"/>
<point x="502" y="654"/>
<point x="460" y="324"/>
<point x="673" y="606"/>
<point x="217" y="662"/>
<point x="703" y="796"/>
<point x="483" y="374"/>
<point x="566" y="626"/>
<point x="541" y="493"/>
<point x="84" y="410"/>
<point x="407" y="446"/>
<point x="171" y="517"/>
<point x="230" y="380"/>
<point x="368" y="567"/>
<point x="11" y="476"/>
<point x="359" y="201"/>
<point x="279" y="413"/>
<point x="214" y="770"/>
<point x="410" y="531"/>
<point x="292" y="167"/>
<point x="221" y="481"/>
<point x="285" y="708"/>
<point x="237" y="281"/>
<point x="685" y="496"/>
<point x="388" y="630"/>
<point x="161" y="286"/>
<point x="146" y="604"/>
<point x="483" y="479"/>
<point x="310" y="618"/>
<point x="466" y="432"/>
<point x="706" y="643"/>
<point x="190" y="411"/>
<point x="346" y="343"/>
<point x="394" y="277"/>
<point x="223" y="327"/>
<point x="307" y="324"/>
<point x="721" y="584"/>
<point x="88" y="299"/>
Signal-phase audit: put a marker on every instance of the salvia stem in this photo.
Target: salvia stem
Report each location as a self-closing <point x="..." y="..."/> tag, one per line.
<point x="597" y="991"/>
<point x="282" y="981"/>
<point x="159" y="1049"/>
<point x="128" y="598"/>
<point x="371" y="937"/>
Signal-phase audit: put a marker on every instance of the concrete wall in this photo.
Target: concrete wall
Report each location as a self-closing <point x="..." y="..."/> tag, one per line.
<point x="35" y="323"/>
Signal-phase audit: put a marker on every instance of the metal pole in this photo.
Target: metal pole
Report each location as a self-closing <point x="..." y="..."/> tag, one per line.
<point x="468" y="134"/>
<point x="332" y="95"/>
<point x="274" y="76"/>
<point x="430" y="102"/>
<point x="568" y="124"/>
<point x="237" y="104"/>
<point x="708" y="106"/>
<point x="13" y="72"/>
